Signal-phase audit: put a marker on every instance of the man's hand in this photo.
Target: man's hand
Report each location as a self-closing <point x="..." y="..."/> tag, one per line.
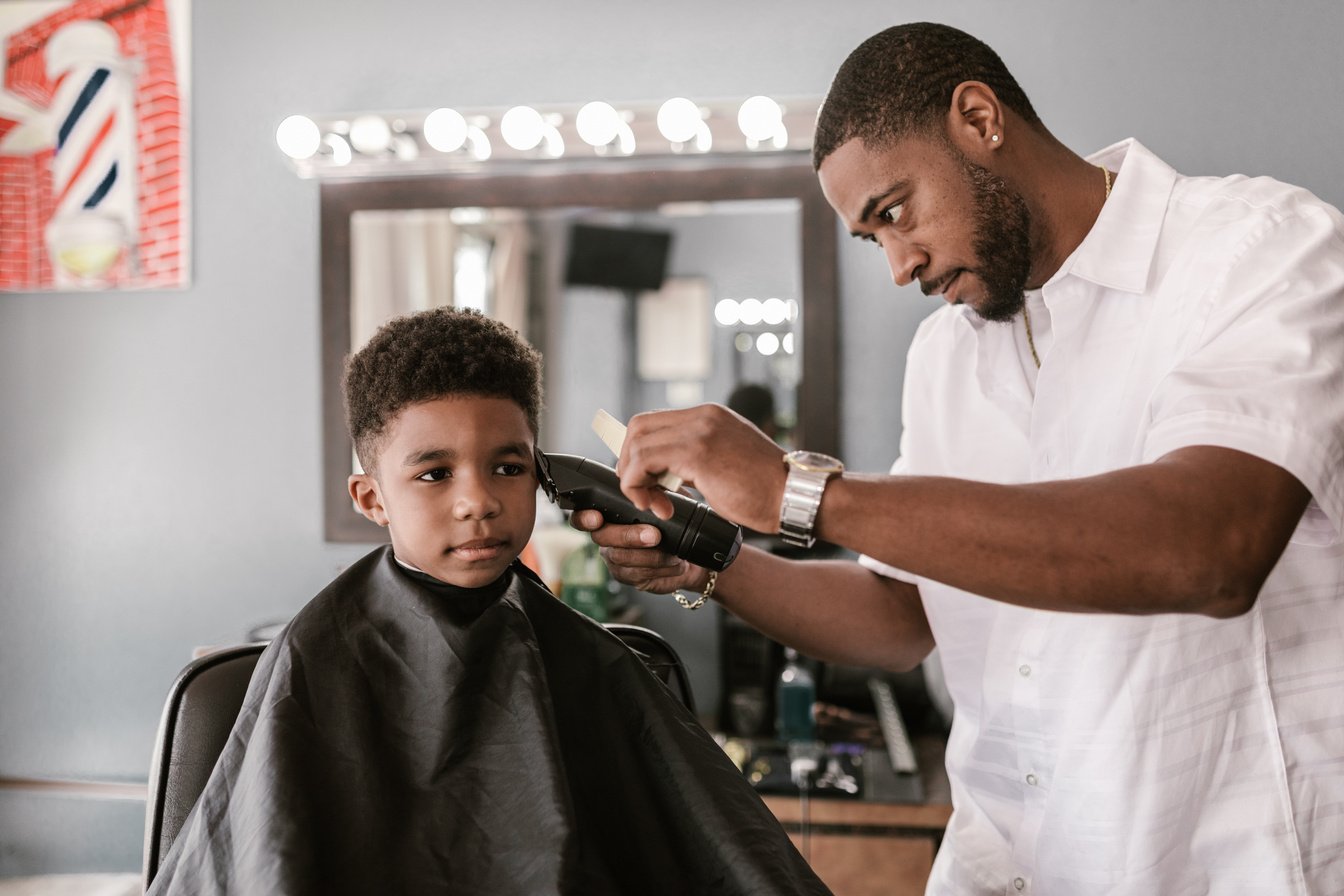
<point x="739" y="470"/>
<point x="832" y="610"/>
<point x="632" y="555"/>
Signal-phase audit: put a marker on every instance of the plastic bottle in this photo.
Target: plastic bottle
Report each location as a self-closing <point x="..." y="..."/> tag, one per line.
<point x="795" y="693"/>
<point x="584" y="581"/>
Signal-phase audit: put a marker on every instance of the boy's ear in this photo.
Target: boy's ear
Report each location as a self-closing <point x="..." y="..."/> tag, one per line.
<point x="364" y="492"/>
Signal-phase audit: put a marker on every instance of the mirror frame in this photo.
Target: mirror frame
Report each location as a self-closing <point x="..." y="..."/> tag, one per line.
<point x="781" y="176"/>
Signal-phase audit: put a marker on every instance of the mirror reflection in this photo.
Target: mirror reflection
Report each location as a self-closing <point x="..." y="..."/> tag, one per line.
<point x="632" y="310"/>
<point x="642" y="288"/>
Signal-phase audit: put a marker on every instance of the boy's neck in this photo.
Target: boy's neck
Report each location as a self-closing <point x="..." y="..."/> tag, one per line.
<point x="404" y="565"/>
<point x="416" y="571"/>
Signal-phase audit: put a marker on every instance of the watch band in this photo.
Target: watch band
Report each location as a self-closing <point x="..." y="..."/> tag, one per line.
<point x="808" y="476"/>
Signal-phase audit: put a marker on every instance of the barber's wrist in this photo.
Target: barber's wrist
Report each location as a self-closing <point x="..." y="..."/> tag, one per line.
<point x="702" y="596"/>
<point x="697" y="579"/>
<point x="808" y="473"/>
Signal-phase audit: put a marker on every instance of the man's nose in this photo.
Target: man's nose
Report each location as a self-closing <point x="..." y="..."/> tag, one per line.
<point x="904" y="259"/>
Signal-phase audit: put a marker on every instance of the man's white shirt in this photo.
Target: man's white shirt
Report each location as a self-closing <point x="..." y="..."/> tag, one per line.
<point x="1095" y="753"/>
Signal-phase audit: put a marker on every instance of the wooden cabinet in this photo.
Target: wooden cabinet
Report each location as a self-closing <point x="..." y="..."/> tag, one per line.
<point x="862" y="848"/>
<point x="865" y="849"/>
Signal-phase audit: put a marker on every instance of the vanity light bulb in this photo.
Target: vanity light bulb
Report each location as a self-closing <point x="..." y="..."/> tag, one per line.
<point x="752" y="311"/>
<point x="679" y="119"/>
<point x="774" y="311"/>
<point x="767" y="344"/>
<point x="742" y="342"/>
<point x="553" y="144"/>
<point x="298" y="137"/>
<point x="726" y="312"/>
<point x="370" y="134"/>
<point x="759" y="118"/>
<point x="522" y="128"/>
<point x="704" y="140"/>
<point x="445" y="130"/>
<point x="787" y="343"/>
<point x="597" y="123"/>
<point x="339" y="149"/>
<point x="478" y="144"/>
<point x="405" y="148"/>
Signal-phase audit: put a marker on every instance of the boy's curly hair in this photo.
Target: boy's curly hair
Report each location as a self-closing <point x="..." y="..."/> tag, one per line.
<point x="435" y="354"/>
<point x="900" y="82"/>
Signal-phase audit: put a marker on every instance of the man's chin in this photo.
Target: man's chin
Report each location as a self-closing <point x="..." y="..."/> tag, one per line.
<point x="1000" y="309"/>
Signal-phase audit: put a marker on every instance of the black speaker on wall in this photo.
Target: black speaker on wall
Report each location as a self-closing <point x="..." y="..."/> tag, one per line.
<point x="628" y="259"/>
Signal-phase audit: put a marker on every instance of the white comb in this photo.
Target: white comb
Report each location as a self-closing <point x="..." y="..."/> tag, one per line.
<point x="612" y="433"/>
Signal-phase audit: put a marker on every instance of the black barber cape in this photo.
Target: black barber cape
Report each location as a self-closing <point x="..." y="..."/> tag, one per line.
<point x="405" y="736"/>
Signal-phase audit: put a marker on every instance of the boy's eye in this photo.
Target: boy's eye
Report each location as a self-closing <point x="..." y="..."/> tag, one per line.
<point x="510" y="469"/>
<point x="435" y="475"/>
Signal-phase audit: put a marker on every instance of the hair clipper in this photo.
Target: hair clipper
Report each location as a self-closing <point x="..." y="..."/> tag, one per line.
<point x="694" y="533"/>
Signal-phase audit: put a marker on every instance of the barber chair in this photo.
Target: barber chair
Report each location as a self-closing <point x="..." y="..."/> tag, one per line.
<point x="660" y="658"/>
<point x="203" y="704"/>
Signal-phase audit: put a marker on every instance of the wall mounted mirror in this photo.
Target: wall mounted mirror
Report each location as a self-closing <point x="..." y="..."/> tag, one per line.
<point x="514" y="244"/>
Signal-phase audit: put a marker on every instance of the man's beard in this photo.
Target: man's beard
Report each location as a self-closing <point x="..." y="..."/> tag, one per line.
<point x="1002" y="242"/>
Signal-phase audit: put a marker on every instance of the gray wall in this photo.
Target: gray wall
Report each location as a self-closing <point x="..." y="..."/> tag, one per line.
<point x="161" y="449"/>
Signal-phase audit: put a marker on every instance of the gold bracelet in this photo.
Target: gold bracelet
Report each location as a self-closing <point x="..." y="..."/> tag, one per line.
<point x="704" y="595"/>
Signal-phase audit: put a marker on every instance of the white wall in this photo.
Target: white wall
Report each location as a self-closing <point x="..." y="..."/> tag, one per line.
<point x="160" y="451"/>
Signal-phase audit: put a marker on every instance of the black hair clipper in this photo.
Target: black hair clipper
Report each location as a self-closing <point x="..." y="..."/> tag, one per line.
<point x="694" y="533"/>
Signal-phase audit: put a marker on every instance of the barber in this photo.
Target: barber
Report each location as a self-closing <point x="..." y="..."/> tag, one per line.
<point x="1118" y="503"/>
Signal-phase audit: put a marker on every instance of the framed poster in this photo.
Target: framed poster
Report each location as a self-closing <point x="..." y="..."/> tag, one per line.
<point x="673" y="331"/>
<point x="93" y="145"/>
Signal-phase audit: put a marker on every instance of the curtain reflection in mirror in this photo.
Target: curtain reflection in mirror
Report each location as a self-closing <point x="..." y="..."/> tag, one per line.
<point x="407" y="261"/>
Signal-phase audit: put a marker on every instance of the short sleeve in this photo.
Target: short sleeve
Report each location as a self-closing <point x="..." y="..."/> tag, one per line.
<point x="1266" y="372"/>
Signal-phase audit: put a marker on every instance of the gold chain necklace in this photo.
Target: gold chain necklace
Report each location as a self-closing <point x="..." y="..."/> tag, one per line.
<point x="1026" y="317"/>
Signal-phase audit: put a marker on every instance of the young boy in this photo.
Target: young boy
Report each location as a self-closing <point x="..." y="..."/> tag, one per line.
<point x="435" y="721"/>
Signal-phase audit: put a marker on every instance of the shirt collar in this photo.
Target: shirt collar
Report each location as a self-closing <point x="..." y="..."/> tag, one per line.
<point x="1118" y="251"/>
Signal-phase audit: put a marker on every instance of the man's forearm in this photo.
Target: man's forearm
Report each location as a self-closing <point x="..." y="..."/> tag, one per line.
<point x="832" y="610"/>
<point x="1198" y="532"/>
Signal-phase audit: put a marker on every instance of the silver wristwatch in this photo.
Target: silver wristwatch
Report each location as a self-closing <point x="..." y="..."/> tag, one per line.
<point x="808" y="474"/>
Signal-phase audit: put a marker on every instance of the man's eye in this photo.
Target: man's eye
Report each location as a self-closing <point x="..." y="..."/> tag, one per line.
<point x="892" y="213"/>
<point x="435" y="475"/>
<point x="511" y="469"/>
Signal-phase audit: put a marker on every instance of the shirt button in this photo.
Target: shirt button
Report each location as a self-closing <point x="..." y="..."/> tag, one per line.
<point x="1019" y="883"/>
<point x="1031" y="779"/>
<point x="1024" y="671"/>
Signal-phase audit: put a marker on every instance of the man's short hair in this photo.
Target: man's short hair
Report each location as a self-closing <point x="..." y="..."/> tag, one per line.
<point x="755" y="402"/>
<point x="441" y="353"/>
<point x="900" y="81"/>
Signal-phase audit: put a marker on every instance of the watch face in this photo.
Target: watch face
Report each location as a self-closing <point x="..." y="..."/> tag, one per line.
<point x="814" y="461"/>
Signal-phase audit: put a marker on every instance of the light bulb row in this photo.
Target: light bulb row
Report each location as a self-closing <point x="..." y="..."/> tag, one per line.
<point x="766" y="343"/>
<point x="598" y="128"/>
<point x="750" y="312"/>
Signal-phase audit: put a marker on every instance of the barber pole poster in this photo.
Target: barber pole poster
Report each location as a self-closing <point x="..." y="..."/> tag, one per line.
<point x="93" y="145"/>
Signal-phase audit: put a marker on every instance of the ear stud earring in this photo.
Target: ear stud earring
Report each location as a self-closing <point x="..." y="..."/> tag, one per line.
<point x="995" y="138"/>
